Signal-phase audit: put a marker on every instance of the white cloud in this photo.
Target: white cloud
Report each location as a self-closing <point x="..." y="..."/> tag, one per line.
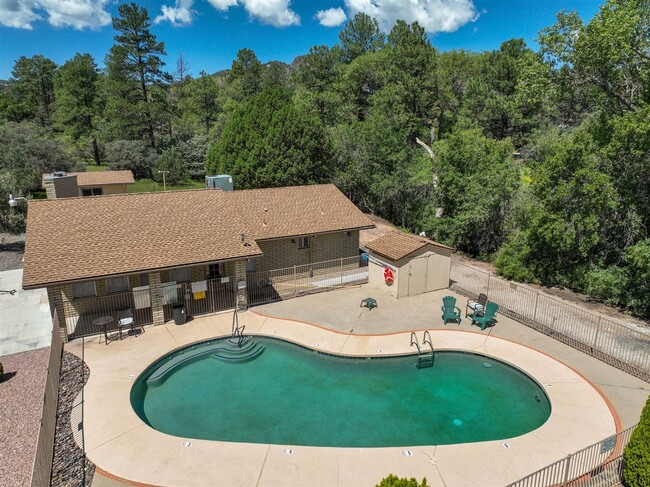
<point x="17" y="13"/>
<point x="180" y="14"/>
<point x="79" y="14"/>
<point x="273" y="12"/>
<point x="433" y="15"/>
<point x="331" y="17"/>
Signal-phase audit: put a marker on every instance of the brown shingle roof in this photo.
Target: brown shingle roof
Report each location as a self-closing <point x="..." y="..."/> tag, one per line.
<point x="81" y="238"/>
<point x="99" y="178"/>
<point x="397" y="245"/>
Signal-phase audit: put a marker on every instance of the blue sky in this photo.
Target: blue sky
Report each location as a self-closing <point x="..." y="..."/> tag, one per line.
<point x="210" y="32"/>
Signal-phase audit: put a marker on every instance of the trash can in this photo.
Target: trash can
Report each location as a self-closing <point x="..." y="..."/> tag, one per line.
<point x="179" y="314"/>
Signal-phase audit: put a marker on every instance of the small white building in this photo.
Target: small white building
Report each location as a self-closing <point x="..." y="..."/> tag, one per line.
<point x="415" y="265"/>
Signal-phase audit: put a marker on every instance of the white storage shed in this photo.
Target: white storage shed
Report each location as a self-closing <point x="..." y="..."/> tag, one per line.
<point x="415" y="264"/>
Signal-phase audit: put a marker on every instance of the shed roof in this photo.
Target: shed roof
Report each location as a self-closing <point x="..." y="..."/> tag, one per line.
<point x="397" y="245"/>
<point x="99" y="178"/>
<point x="73" y="239"/>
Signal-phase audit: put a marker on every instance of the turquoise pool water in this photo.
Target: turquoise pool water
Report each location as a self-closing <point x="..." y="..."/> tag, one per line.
<point x="293" y="396"/>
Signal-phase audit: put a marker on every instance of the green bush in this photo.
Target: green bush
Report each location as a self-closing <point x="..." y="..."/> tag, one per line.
<point x="636" y="464"/>
<point x="510" y="260"/>
<point x="394" y="481"/>
<point x="607" y="285"/>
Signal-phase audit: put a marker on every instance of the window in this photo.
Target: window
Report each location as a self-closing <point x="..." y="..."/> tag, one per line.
<point x="83" y="289"/>
<point x="214" y="271"/>
<point x="250" y="265"/>
<point x="303" y="243"/>
<point x="144" y="279"/>
<point x="180" y="275"/>
<point x="91" y="192"/>
<point x="117" y="284"/>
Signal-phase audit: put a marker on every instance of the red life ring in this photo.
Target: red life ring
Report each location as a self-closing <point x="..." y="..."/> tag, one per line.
<point x="389" y="276"/>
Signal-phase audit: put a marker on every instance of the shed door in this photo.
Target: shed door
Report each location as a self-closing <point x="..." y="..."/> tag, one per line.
<point x="417" y="276"/>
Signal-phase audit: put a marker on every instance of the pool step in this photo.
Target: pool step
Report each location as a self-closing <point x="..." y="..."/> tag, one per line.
<point x="230" y="351"/>
<point x="425" y="360"/>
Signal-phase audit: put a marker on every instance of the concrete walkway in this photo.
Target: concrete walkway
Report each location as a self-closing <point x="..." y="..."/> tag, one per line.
<point x="122" y="446"/>
<point x="25" y="321"/>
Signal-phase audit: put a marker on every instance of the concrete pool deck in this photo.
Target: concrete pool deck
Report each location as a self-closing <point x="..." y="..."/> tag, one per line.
<point x="123" y="447"/>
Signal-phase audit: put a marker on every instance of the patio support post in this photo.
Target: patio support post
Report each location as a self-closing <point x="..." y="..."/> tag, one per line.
<point x="240" y="277"/>
<point x="157" y="302"/>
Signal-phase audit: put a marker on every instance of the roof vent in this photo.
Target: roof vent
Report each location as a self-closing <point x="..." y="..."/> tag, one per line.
<point x="59" y="174"/>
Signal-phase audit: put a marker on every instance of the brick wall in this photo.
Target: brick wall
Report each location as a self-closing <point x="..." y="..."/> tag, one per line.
<point x="282" y="253"/>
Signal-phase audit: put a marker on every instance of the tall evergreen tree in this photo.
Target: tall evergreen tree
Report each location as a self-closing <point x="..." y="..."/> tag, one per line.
<point x="134" y="67"/>
<point x="31" y="96"/>
<point x="77" y="100"/>
<point x="359" y="36"/>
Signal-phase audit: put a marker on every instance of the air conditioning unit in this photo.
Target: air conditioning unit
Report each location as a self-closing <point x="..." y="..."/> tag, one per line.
<point x="222" y="181"/>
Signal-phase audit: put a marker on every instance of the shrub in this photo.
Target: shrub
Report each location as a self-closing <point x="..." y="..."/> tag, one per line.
<point x="636" y="458"/>
<point x="394" y="481"/>
<point x="510" y="260"/>
<point x="637" y="266"/>
<point x="606" y="285"/>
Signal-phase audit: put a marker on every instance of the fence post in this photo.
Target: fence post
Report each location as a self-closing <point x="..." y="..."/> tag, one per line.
<point x="488" y="285"/>
<point x="535" y="312"/>
<point x="341" y="271"/>
<point x="597" y="332"/>
<point x="566" y="471"/>
<point x="295" y="281"/>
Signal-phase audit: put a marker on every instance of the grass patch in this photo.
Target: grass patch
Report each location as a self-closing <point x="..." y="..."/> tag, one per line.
<point x="150" y="186"/>
<point x="95" y="168"/>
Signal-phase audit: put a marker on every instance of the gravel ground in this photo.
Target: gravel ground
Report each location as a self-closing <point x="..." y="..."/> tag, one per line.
<point x="21" y="406"/>
<point x="12" y="250"/>
<point x="68" y="464"/>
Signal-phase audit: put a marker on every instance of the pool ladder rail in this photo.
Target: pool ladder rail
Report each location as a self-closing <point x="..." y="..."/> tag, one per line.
<point x="425" y="359"/>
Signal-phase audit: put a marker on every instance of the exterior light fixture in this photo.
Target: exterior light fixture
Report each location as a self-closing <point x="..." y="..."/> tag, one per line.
<point x="13" y="202"/>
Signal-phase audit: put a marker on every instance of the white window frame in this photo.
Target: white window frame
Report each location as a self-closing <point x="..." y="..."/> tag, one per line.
<point x="83" y="289"/>
<point x="118" y="284"/>
<point x="303" y="242"/>
<point x="182" y="274"/>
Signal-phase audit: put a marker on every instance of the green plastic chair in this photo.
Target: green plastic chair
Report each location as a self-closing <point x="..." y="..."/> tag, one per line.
<point x="449" y="310"/>
<point x="487" y="317"/>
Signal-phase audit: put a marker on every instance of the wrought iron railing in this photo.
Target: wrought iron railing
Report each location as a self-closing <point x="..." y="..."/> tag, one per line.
<point x="623" y="346"/>
<point x="278" y="284"/>
<point x="598" y="465"/>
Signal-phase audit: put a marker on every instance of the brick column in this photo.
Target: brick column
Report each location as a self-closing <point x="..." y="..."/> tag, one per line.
<point x="157" y="311"/>
<point x="240" y="276"/>
<point x="55" y="297"/>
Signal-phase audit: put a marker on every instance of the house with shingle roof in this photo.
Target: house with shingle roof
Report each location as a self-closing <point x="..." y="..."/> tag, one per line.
<point x="415" y="264"/>
<point x="97" y="183"/>
<point x="206" y="248"/>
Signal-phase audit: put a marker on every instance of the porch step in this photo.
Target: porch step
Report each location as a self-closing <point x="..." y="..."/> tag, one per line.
<point x="231" y="352"/>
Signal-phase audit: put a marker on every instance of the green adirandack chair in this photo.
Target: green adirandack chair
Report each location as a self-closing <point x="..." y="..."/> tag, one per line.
<point x="487" y="317"/>
<point x="449" y="309"/>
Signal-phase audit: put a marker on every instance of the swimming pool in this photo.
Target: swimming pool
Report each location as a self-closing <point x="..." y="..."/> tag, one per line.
<point x="294" y="396"/>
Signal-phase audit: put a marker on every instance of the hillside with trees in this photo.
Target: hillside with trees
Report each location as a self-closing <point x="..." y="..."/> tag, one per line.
<point x="538" y="161"/>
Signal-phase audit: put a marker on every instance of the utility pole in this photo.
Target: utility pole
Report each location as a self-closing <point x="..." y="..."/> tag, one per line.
<point x="164" y="173"/>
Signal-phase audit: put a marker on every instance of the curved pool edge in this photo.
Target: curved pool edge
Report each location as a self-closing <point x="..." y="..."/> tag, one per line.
<point x="121" y="445"/>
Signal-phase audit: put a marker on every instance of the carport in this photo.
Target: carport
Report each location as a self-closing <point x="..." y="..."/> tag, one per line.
<point x="415" y="264"/>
